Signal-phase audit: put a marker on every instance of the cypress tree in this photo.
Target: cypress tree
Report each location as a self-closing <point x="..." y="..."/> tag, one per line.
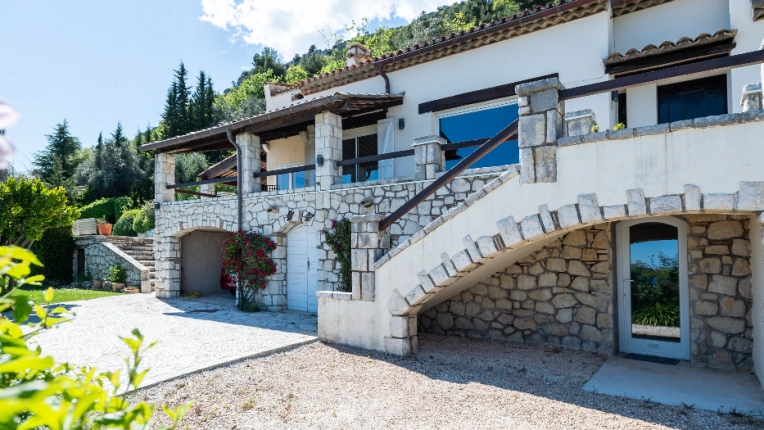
<point x="59" y="159"/>
<point x="182" y="100"/>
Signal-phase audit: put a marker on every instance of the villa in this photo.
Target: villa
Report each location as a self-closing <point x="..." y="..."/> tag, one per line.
<point x="587" y="175"/>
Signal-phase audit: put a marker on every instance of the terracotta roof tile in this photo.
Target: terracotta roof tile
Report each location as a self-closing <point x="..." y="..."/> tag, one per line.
<point x="531" y="20"/>
<point x="668" y="46"/>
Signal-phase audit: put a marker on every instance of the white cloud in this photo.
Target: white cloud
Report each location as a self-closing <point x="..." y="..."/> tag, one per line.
<point x="291" y="26"/>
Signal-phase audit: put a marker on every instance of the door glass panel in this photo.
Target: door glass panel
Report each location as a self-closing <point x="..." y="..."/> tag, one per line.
<point x="282" y="181"/>
<point x="654" y="267"/>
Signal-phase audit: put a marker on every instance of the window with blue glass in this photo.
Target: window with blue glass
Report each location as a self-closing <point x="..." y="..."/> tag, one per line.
<point x="357" y="147"/>
<point x="692" y="99"/>
<point x="481" y="124"/>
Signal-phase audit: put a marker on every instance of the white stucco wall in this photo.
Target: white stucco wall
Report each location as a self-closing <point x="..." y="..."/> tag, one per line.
<point x="574" y="50"/>
<point x="749" y="38"/>
<point x="671" y="21"/>
<point x="715" y="159"/>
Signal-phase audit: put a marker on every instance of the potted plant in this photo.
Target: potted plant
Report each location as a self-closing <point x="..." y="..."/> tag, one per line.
<point x="117" y="277"/>
<point x="104" y="228"/>
<point x="97" y="284"/>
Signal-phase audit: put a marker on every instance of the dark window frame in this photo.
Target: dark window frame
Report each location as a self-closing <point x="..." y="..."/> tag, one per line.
<point x="714" y="83"/>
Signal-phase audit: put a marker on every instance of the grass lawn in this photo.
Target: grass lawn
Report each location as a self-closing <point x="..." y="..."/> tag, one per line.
<point x="60" y="294"/>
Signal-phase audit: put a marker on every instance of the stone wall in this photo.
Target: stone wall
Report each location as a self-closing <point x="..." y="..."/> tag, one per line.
<point x="720" y="291"/>
<point x="102" y="252"/>
<point x="560" y="295"/>
<point x="275" y="214"/>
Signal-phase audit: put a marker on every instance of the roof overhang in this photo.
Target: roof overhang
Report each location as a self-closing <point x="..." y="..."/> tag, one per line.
<point x="278" y="123"/>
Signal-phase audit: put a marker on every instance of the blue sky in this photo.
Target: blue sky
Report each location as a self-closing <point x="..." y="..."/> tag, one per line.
<point x="99" y="62"/>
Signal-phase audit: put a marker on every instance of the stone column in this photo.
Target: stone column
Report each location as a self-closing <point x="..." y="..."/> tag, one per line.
<point x="207" y="189"/>
<point x="367" y="244"/>
<point x="167" y="255"/>
<point x="579" y="123"/>
<point x="328" y="146"/>
<point x="540" y="126"/>
<point x="250" y="162"/>
<point x="429" y="157"/>
<point x="164" y="175"/>
<point x="751" y="99"/>
<point x="273" y="297"/>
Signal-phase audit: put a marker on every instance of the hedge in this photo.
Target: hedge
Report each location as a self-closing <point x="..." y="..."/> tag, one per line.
<point x="145" y="220"/>
<point x="124" y="226"/>
<point x="55" y="250"/>
<point x="110" y="209"/>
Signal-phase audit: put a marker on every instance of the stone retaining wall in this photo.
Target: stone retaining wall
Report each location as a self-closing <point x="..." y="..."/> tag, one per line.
<point x="560" y="295"/>
<point x="720" y="291"/>
<point x="102" y="252"/>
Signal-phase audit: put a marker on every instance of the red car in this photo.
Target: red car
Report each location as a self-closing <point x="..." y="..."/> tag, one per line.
<point x="226" y="283"/>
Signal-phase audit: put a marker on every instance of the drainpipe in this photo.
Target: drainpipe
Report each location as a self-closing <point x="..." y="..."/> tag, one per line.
<point x="238" y="178"/>
<point x="381" y="68"/>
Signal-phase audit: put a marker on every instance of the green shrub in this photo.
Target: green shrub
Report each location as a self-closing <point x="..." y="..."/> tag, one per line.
<point x="38" y="392"/>
<point x="110" y="209"/>
<point x="657" y="314"/>
<point x="124" y="226"/>
<point x="55" y="251"/>
<point x="338" y="240"/>
<point x="144" y="221"/>
<point x="117" y="274"/>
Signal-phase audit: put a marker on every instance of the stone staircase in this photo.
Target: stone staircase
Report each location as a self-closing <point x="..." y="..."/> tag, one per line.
<point x="139" y="248"/>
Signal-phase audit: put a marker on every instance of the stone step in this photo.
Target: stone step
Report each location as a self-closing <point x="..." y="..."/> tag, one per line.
<point x="141" y="256"/>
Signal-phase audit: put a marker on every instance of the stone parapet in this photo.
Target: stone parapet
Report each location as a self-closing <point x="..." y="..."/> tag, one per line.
<point x="579" y="123"/>
<point x="752" y="97"/>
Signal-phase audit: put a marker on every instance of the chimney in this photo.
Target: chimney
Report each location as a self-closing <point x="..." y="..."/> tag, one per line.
<point x="357" y="54"/>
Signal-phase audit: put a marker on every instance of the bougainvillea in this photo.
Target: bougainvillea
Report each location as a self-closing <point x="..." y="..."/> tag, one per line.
<point x="338" y="239"/>
<point x="246" y="257"/>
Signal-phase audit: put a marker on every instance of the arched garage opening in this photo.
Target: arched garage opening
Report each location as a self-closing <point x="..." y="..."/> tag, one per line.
<point x="201" y="263"/>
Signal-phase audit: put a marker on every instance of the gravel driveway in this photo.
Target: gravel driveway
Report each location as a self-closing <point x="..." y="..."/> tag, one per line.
<point x="452" y="383"/>
<point x="192" y="334"/>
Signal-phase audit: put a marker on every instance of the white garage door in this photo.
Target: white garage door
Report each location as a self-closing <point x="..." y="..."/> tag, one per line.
<point x="301" y="269"/>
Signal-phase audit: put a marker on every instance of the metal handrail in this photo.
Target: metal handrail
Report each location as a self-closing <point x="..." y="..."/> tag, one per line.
<point x="461" y="166"/>
<point x="284" y="171"/>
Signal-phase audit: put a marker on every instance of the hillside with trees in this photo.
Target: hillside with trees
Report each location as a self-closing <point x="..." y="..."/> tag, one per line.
<point x="112" y="177"/>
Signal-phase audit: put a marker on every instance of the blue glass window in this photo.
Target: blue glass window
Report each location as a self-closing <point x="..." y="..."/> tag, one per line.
<point x="482" y="124"/>
<point x="693" y="99"/>
<point x="357" y="147"/>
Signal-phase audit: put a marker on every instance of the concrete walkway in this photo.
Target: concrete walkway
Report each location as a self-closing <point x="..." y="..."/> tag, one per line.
<point x="192" y="334"/>
<point x="680" y="384"/>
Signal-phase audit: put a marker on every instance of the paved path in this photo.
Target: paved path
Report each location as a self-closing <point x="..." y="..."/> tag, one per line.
<point x="192" y="334"/>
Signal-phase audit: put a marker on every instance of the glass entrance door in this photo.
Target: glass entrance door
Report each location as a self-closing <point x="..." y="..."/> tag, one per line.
<point x="652" y="285"/>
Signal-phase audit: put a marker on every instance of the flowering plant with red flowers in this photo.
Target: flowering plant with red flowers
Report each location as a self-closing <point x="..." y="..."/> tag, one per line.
<point x="246" y="257"/>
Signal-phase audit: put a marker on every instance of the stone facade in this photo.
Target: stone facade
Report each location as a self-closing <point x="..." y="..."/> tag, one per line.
<point x="276" y="213"/>
<point x="560" y="295"/>
<point x="720" y="291"/>
<point x="540" y="125"/>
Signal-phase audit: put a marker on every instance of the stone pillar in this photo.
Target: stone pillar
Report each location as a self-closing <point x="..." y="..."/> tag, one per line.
<point x="429" y="157"/>
<point x="328" y="146"/>
<point x="207" y="189"/>
<point x="273" y="298"/>
<point x="164" y="175"/>
<point x="751" y="99"/>
<point x="167" y="255"/>
<point x="367" y="244"/>
<point x="579" y="123"/>
<point x="540" y="126"/>
<point x="250" y="162"/>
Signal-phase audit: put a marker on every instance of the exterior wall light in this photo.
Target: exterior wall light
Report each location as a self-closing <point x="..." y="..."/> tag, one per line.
<point x="156" y="206"/>
<point x="401" y="123"/>
<point x="319" y="160"/>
